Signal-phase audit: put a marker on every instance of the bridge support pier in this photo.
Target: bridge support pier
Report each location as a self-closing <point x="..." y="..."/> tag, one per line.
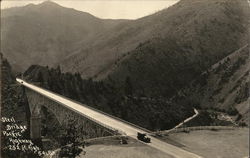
<point x="86" y="127"/>
<point x="35" y="127"/>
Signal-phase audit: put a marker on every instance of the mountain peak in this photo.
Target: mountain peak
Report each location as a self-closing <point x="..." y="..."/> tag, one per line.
<point x="49" y="3"/>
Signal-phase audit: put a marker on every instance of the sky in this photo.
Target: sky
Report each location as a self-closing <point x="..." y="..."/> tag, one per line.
<point x="106" y="9"/>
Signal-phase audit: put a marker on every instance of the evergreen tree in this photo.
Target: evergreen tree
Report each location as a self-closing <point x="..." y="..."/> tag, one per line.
<point x="70" y="144"/>
<point x="128" y="87"/>
<point x="40" y="77"/>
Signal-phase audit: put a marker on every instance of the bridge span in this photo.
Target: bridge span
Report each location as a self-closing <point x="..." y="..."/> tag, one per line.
<point x="83" y="111"/>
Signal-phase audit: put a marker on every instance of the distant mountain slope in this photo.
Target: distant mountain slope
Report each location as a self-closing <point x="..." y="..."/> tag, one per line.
<point x="204" y="32"/>
<point x="201" y="30"/>
<point x="45" y="33"/>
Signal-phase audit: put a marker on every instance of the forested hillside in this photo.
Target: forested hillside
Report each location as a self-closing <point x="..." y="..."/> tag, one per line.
<point x="202" y="32"/>
<point x="188" y="37"/>
<point x="13" y="104"/>
<point x="114" y="99"/>
<point x="131" y="68"/>
<point x="223" y="87"/>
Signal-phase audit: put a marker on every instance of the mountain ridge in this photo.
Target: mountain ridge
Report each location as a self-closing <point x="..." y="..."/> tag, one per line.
<point x="101" y="57"/>
<point x="163" y="65"/>
<point x="170" y="47"/>
<point x="46" y="32"/>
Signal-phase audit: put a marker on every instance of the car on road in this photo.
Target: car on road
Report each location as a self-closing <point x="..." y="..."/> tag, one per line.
<point x="143" y="137"/>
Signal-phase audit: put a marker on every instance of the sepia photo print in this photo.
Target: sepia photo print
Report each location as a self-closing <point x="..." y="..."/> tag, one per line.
<point x="124" y="78"/>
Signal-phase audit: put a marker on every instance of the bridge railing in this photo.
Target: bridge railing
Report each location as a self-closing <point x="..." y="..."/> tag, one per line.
<point x="82" y="114"/>
<point x="114" y="117"/>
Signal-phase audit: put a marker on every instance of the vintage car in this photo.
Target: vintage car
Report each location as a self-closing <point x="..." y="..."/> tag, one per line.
<point x="143" y="137"/>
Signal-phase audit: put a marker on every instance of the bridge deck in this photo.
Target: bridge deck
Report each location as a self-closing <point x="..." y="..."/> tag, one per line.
<point x="110" y="121"/>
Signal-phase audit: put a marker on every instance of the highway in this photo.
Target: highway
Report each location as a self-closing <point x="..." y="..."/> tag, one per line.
<point x="108" y="121"/>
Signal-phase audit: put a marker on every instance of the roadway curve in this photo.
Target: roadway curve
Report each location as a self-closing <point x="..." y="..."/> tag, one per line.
<point x="186" y="120"/>
<point x="111" y="122"/>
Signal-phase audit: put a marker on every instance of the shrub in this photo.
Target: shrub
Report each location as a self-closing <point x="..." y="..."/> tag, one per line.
<point x="242" y="124"/>
<point x="186" y="130"/>
<point x="214" y="129"/>
<point x="232" y="111"/>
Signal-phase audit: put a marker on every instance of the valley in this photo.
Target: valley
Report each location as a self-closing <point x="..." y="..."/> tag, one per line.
<point x="181" y="68"/>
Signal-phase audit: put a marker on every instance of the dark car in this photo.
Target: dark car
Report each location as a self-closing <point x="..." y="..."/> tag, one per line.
<point x="143" y="137"/>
